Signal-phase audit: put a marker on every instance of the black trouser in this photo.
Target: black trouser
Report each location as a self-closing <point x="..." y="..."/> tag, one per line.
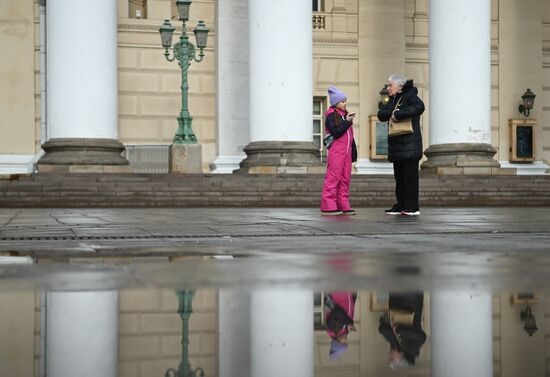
<point x="406" y="184"/>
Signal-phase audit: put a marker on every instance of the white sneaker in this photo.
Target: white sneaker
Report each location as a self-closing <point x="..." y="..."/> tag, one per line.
<point x="410" y="213"/>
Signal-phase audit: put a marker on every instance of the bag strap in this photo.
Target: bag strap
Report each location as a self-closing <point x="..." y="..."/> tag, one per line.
<point x="398" y="102"/>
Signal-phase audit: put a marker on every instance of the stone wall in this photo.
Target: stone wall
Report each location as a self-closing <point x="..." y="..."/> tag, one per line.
<point x="150" y="332"/>
<point x="17" y="104"/>
<point x="149" y="87"/>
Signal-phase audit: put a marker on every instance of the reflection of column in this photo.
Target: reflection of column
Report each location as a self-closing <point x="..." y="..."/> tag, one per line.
<point x="281" y="90"/>
<point x="233" y="333"/>
<point x="82" y="334"/>
<point x="82" y="85"/>
<point x="460" y="81"/>
<point x="281" y="327"/>
<point x="233" y="84"/>
<point x="462" y="334"/>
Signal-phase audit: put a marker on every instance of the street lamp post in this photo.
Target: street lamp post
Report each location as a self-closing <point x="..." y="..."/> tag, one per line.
<point x="184" y="51"/>
<point x="185" y="300"/>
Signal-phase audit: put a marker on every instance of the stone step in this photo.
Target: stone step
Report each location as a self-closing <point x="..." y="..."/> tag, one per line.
<point x="241" y="190"/>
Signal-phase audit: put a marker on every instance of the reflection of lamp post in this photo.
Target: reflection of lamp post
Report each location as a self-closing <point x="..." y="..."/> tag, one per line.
<point x="184" y="51"/>
<point x="384" y="97"/>
<point x="528" y="101"/>
<point x="530" y="325"/>
<point x="185" y="299"/>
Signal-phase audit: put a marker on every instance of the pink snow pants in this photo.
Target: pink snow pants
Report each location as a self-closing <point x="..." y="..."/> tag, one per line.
<point x="335" y="194"/>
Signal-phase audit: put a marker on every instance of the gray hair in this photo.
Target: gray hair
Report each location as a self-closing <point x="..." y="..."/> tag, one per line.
<point x="401" y="363"/>
<point x="398" y="79"/>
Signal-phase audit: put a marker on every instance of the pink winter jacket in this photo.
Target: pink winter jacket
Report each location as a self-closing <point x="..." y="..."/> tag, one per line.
<point x="345" y="300"/>
<point x="342" y="132"/>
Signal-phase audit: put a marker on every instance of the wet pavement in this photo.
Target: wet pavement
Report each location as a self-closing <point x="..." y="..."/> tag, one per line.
<point x="116" y="248"/>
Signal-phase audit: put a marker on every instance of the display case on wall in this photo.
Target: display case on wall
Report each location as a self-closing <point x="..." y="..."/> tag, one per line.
<point x="522" y="140"/>
<point x="378" y="148"/>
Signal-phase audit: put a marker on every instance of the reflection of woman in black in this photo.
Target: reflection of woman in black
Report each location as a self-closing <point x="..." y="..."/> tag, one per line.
<point x="402" y="328"/>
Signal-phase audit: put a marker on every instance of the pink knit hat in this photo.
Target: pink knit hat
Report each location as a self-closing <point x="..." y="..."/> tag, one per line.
<point x="337" y="349"/>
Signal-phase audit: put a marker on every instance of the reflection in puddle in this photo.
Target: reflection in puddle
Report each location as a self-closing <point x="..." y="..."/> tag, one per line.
<point x="448" y="315"/>
<point x="268" y="332"/>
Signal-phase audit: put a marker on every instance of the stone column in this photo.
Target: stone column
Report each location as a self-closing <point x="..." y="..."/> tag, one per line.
<point x="233" y="333"/>
<point x="462" y="334"/>
<point x="281" y="88"/>
<point x="82" y="87"/>
<point x="376" y="63"/>
<point x="460" y="83"/>
<point x="281" y="327"/>
<point x="82" y="334"/>
<point x="232" y="84"/>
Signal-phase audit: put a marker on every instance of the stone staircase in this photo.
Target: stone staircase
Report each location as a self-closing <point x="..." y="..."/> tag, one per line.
<point x="243" y="190"/>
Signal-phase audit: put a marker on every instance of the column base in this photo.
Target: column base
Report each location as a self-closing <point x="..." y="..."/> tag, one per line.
<point x="527" y="168"/>
<point x="281" y="157"/>
<point x="72" y="155"/>
<point x="226" y="164"/>
<point x="186" y="158"/>
<point x="366" y="166"/>
<point x="463" y="159"/>
<point x="17" y="163"/>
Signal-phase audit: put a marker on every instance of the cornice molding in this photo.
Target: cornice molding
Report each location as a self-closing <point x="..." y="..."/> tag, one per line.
<point x="424" y="45"/>
<point x="351" y="41"/>
<point x="416" y="45"/>
<point x="155" y="28"/>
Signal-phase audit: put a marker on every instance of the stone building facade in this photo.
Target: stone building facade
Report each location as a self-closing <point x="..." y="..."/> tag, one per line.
<point x="356" y="45"/>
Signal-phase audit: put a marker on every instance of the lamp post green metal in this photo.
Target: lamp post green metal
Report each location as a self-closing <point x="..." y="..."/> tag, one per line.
<point x="185" y="52"/>
<point x="185" y="300"/>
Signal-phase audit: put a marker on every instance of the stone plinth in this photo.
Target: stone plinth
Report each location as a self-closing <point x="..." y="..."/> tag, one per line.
<point x="281" y="157"/>
<point x="78" y="155"/>
<point x="463" y="158"/>
<point x="186" y="158"/>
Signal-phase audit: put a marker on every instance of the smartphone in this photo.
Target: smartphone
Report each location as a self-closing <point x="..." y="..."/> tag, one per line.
<point x="351" y="114"/>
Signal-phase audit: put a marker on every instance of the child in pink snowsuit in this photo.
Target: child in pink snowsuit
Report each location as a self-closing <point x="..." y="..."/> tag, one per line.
<point x="339" y="320"/>
<point x="341" y="154"/>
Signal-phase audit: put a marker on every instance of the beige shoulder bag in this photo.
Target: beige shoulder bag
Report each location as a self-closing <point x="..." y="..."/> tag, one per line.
<point x="401" y="127"/>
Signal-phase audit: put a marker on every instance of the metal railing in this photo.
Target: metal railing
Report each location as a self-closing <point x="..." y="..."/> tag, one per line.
<point x="148" y="158"/>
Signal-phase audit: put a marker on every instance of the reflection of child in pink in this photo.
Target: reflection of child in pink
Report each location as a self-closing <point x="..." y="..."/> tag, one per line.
<point x="339" y="320"/>
<point x="335" y="196"/>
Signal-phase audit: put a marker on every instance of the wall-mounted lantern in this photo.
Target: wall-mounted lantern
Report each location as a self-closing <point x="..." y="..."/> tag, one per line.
<point x="530" y="325"/>
<point x="384" y="97"/>
<point x="528" y="101"/>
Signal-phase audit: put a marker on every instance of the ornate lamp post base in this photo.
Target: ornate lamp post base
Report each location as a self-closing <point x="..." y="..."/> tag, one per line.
<point x="185" y="134"/>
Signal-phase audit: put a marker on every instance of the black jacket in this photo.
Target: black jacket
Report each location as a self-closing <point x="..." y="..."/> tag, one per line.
<point x="410" y="338"/>
<point x="405" y="147"/>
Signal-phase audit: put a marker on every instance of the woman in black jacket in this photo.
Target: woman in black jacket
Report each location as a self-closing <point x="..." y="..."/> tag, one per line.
<point x="405" y="339"/>
<point x="404" y="151"/>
